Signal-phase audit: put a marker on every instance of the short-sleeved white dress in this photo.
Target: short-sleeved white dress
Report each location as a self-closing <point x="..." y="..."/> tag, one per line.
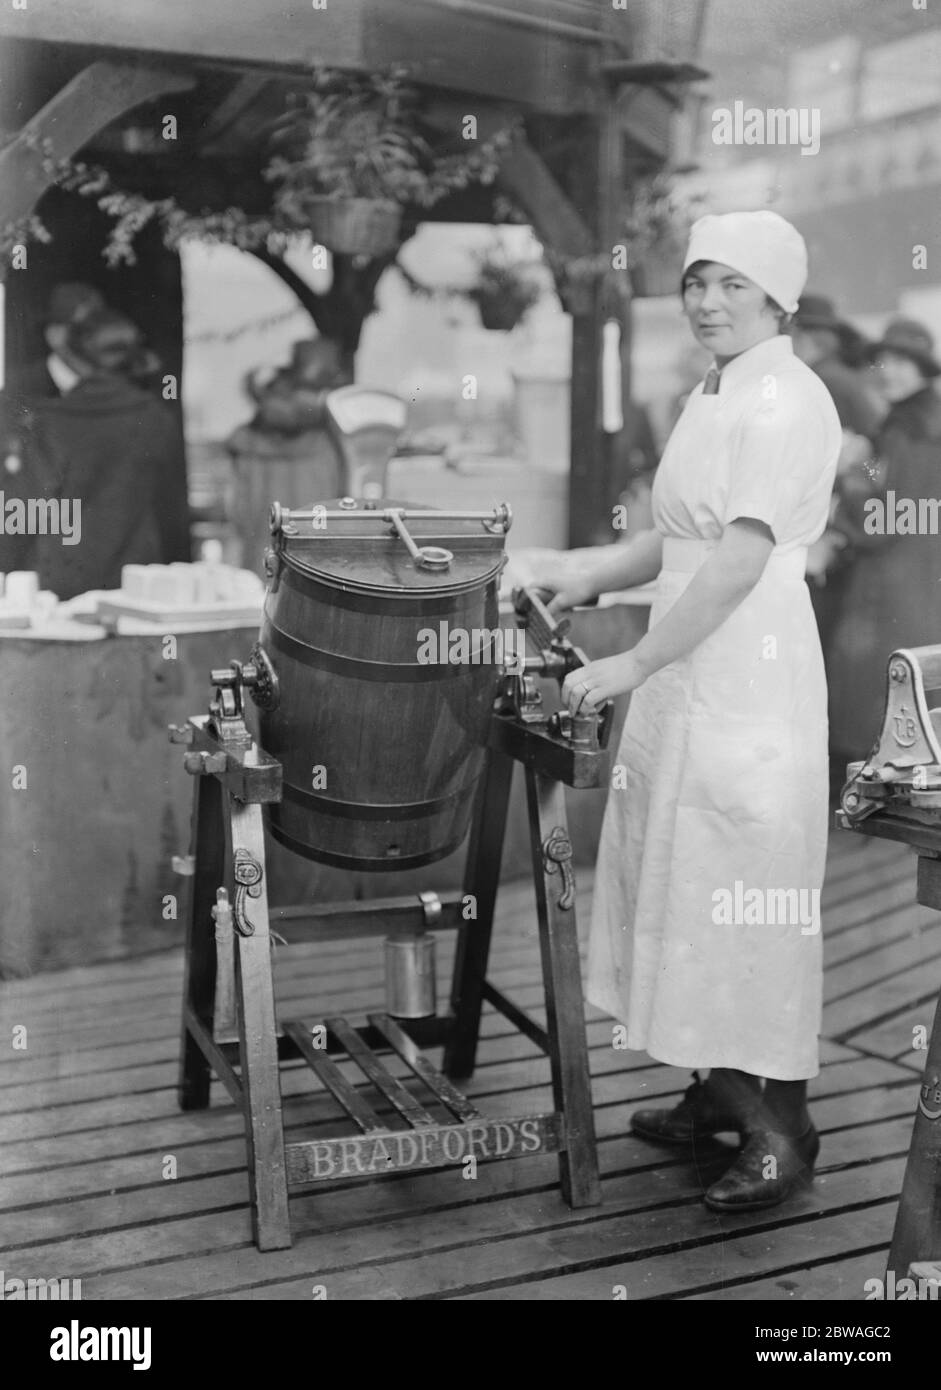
<point x="720" y="784"/>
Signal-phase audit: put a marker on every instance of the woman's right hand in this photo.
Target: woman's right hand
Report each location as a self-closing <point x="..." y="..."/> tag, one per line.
<point x="570" y="588"/>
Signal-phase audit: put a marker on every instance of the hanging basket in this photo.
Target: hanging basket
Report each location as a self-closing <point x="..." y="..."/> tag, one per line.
<point x="353" y="226"/>
<point x="498" y="312"/>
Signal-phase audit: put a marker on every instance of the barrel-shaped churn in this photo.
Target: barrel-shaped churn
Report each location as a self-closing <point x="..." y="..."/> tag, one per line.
<point x="378" y="717"/>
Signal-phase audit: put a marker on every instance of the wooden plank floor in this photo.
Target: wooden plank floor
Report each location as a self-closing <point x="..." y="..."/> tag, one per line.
<point x="90" y="1134"/>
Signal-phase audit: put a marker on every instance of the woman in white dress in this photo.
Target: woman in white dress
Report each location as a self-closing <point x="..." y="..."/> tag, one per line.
<point x="705" y="931"/>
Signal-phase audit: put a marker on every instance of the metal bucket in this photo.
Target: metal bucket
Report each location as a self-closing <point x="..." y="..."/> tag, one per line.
<point x="410" y="975"/>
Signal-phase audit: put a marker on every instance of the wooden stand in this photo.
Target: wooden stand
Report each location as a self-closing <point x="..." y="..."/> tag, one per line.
<point x="228" y="979"/>
<point x="917" y="1235"/>
<point x="895" y="794"/>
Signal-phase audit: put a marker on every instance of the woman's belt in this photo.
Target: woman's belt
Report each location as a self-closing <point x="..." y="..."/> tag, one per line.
<point x="686" y="555"/>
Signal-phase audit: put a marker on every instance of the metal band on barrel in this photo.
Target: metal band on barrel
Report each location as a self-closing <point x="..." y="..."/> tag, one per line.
<point x="367" y="861"/>
<point x="372" y="599"/>
<point x="370" y="810"/>
<point x="387" y="672"/>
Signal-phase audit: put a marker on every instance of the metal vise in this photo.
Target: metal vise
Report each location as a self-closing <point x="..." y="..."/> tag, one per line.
<point x="554" y="656"/>
<point x="903" y="772"/>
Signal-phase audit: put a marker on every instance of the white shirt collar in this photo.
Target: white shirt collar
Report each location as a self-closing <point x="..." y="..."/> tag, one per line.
<point x="63" y="376"/>
<point x="755" y="361"/>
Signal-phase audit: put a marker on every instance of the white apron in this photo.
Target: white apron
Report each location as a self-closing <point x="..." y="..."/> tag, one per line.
<point x="720" y="782"/>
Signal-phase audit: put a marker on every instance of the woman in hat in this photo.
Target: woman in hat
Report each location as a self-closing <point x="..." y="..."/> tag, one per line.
<point x="724" y="749"/>
<point x="893" y="598"/>
<point x="836" y="350"/>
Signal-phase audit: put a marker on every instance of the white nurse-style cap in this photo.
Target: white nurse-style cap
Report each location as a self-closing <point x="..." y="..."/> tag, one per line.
<point x="761" y="245"/>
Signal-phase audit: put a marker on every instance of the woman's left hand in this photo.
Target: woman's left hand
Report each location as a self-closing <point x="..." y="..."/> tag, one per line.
<point x="587" y="688"/>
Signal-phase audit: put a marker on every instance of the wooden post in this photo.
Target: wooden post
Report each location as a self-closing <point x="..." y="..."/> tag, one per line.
<point x="258" y="1042"/>
<point x="917" y="1234"/>
<point x="584" y="434"/>
<point x="481" y="881"/>
<point x="562" y="979"/>
<point x="614" y="300"/>
<point x="207" y="849"/>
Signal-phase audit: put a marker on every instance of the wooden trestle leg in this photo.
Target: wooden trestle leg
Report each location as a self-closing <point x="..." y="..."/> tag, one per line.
<point x="207" y="848"/>
<point x="481" y="881"/>
<point x="258" y="1042"/>
<point x="917" y="1235"/>
<point x="562" y="979"/>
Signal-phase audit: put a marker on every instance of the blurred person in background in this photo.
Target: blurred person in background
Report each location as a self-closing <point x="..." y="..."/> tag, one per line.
<point x="893" y="594"/>
<point x="59" y="372"/>
<point x="835" y="350"/>
<point x="100" y="439"/>
<point x="285" y="453"/>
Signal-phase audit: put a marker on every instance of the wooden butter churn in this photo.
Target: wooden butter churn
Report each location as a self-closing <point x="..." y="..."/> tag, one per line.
<point x="358" y="749"/>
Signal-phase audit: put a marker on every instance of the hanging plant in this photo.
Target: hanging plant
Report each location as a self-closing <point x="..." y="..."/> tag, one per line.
<point x="645" y="259"/>
<point x="345" y="163"/>
<point x="354" y="154"/>
<point x="657" y="225"/>
<point x="504" y="289"/>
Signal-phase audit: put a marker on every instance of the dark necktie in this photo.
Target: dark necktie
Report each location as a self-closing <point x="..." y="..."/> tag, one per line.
<point x="711" y="383"/>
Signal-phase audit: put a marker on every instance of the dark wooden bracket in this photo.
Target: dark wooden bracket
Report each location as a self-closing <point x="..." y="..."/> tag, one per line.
<point x="94" y="97"/>
<point x="917" y="1234"/>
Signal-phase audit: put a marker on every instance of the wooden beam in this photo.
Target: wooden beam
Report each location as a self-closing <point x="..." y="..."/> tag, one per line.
<point x="500" y="50"/>
<point x="245" y="91"/>
<point x="95" y="97"/>
<point x="278" y="33"/>
<point x="555" y="219"/>
<point x="506" y="50"/>
<point x="645" y="114"/>
<point x="525" y="176"/>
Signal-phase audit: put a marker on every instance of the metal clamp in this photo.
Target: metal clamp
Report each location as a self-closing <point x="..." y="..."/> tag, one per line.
<point x="203" y="764"/>
<point x="557" y="858"/>
<point x="431" y="908"/>
<point x="501" y="521"/>
<point x="221" y="915"/>
<point x="261" y="679"/>
<point x="248" y="876"/>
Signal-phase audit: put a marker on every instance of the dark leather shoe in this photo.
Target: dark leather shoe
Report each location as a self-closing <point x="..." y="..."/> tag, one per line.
<point x="698" y="1116"/>
<point x="746" y="1188"/>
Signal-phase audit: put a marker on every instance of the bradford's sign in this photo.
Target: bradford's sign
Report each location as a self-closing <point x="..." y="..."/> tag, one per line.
<point x="388" y="1151"/>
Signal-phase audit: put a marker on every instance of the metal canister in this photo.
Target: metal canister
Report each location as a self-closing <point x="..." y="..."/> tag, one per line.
<point x="410" y="975"/>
